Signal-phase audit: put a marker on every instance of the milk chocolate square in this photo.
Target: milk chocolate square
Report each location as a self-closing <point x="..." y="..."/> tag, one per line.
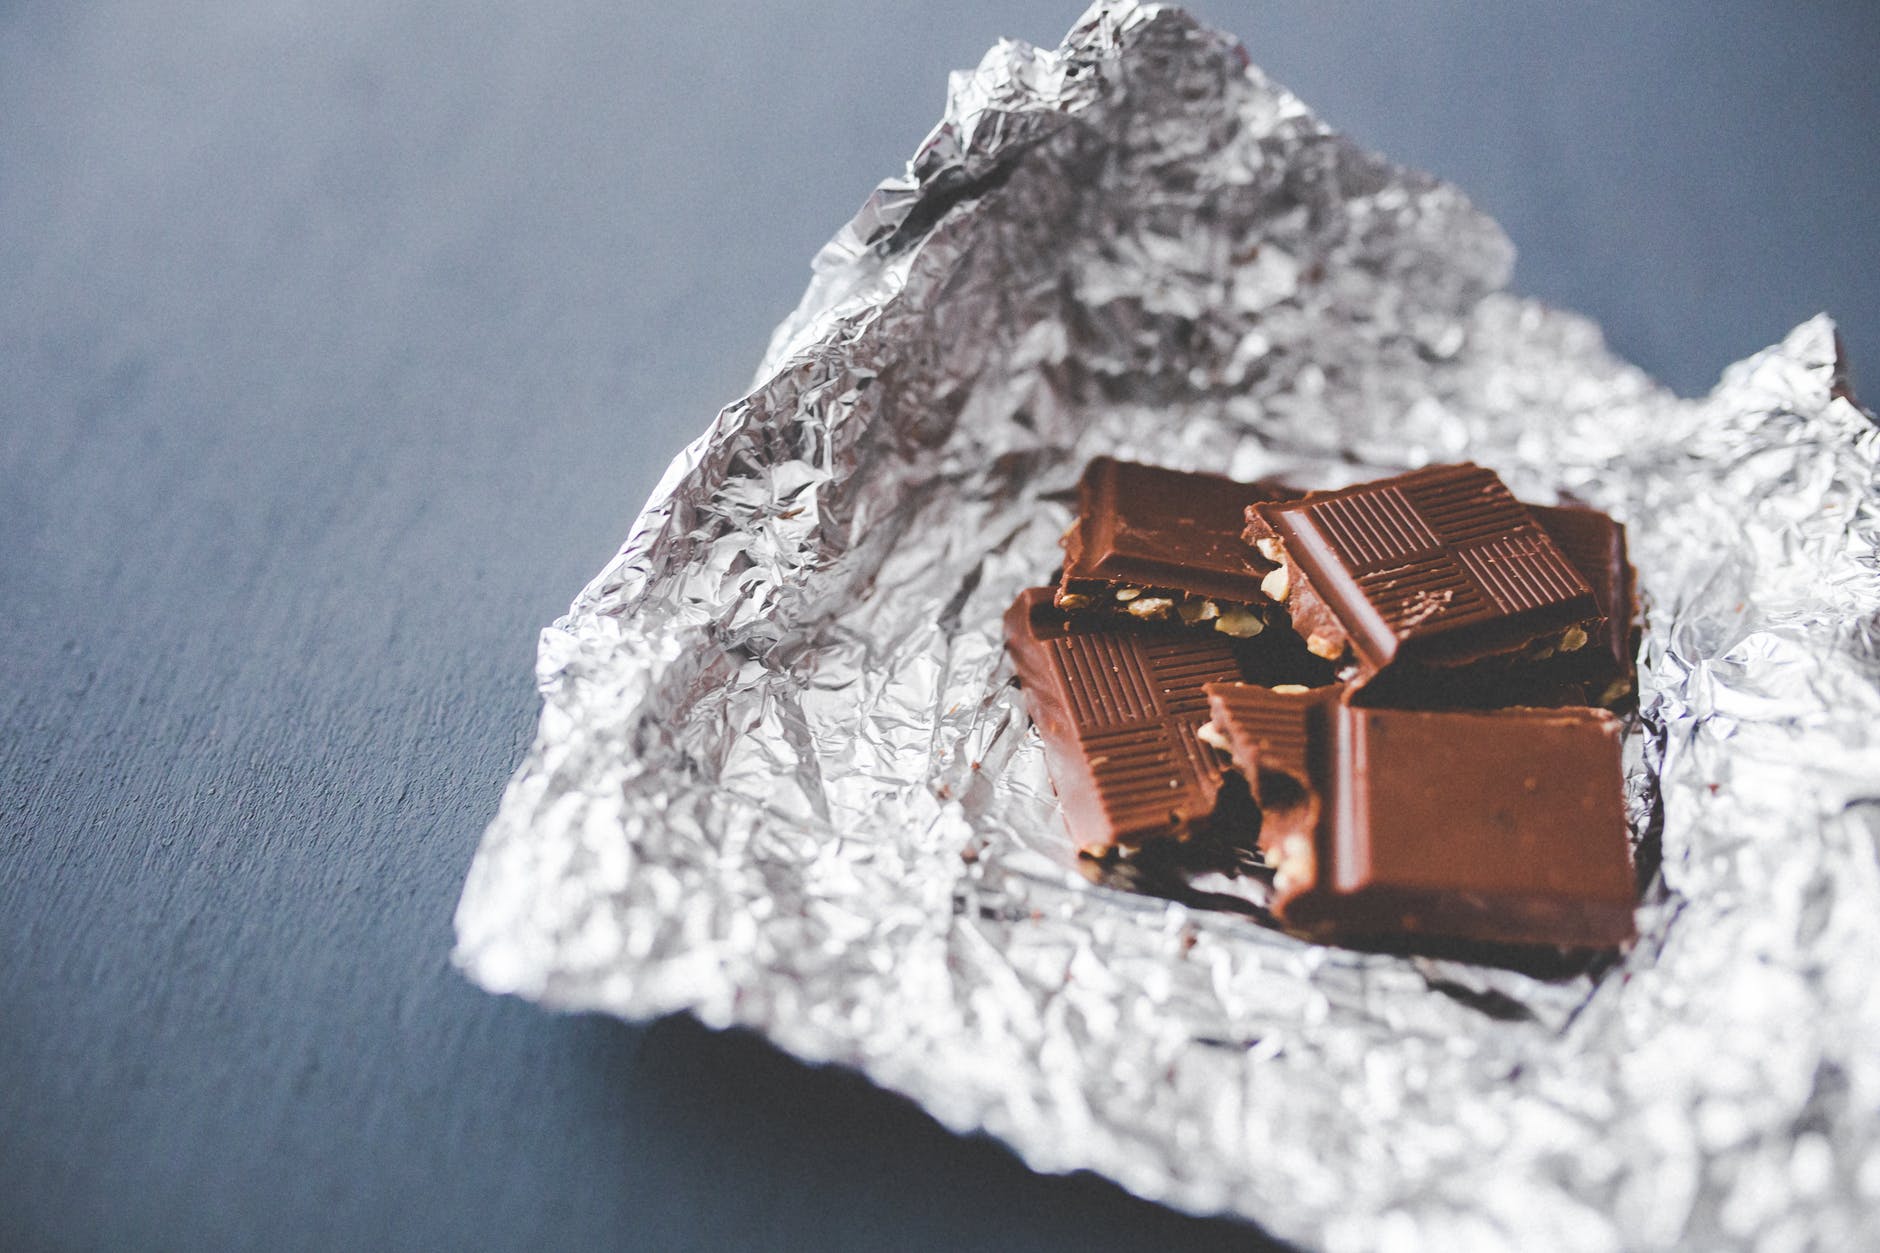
<point x="1118" y="706"/>
<point x="1502" y="825"/>
<point x="1436" y="569"/>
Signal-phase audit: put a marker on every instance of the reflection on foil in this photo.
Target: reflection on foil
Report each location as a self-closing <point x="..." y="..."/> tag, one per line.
<point x="781" y="780"/>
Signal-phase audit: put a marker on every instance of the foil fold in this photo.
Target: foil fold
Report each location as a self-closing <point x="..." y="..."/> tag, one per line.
<point x="781" y="780"/>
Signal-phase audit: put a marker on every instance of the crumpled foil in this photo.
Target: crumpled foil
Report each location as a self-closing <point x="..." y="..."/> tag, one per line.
<point x="782" y="781"/>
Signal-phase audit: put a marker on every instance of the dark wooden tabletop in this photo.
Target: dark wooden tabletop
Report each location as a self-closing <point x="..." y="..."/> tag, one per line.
<point x="340" y="343"/>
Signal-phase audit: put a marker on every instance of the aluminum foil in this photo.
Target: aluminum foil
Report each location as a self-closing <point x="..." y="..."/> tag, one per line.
<point x="782" y="781"/>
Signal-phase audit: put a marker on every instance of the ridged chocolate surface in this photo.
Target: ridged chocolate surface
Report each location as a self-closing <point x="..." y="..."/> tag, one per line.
<point x="1442" y="563"/>
<point x="1272" y="737"/>
<point x="1119" y="705"/>
<point x="1268" y="729"/>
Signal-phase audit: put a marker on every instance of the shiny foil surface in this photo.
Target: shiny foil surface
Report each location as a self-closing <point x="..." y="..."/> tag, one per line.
<point x="782" y="779"/>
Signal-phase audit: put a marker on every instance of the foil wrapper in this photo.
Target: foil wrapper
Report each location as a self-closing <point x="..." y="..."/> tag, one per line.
<point x="782" y="781"/>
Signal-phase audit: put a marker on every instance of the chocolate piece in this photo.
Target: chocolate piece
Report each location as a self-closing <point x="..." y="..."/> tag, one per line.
<point x="1264" y="731"/>
<point x="1600" y="673"/>
<point x="1437" y="568"/>
<point x="1595" y="544"/>
<point x="1118" y="705"/>
<point x="1503" y="825"/>
<point x="1157" y="544"/>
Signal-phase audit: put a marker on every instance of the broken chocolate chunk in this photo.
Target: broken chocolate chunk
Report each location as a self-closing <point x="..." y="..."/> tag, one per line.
<point x="1119" y="705"/>
<point x="1506" y="826"/>
<point x="1164" y="545"/>
<point x="1438" y="569"/>
<point x="1595" y="544"/>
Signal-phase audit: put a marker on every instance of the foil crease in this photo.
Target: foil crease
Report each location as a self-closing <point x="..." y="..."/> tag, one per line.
<point x="781" y="779"/>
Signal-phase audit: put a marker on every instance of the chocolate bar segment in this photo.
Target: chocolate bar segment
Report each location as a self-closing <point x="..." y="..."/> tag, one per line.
<point x="1437" y="568"/>
<point x="1599" y="673"/>
<point x="1595" y="544"/>
<point x="1118" y="706"/>
<point x="1275" y="738"/>
<point x="1506" y="826"/>
<point x="1153" y="544"/>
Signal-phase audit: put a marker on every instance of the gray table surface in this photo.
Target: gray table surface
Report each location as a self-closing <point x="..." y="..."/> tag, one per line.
<point x="340" y="343"/>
